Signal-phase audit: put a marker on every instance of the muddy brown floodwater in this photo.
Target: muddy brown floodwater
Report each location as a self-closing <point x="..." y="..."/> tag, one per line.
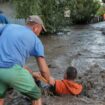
<point x="79" y="46"/>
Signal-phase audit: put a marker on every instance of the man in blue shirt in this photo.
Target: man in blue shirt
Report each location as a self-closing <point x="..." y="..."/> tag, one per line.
<point x="17" y="44"/>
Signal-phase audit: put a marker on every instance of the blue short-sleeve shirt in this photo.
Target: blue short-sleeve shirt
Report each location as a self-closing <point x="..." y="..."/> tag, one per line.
<point x="17" y="43"/>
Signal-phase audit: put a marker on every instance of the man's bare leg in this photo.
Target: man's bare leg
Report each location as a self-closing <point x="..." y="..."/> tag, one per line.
<point x="37" y="102"/>
<point x="1" y="101"/>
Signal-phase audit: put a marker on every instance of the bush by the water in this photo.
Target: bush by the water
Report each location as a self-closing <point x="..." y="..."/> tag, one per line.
<point x="101" y="10"/>
<point x="52" y="11"/>
<point x="24" y="8"/>
<point x="82" y="11"/>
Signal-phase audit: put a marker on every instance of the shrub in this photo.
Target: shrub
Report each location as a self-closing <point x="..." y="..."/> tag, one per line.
<point x="24" y="8"/>
<point x="82" y="11"/>
<point x="52" y="12"/>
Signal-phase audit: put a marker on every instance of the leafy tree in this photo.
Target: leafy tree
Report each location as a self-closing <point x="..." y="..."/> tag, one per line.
<point x="82" y="11"/>
<point x="101" y="10"/>
<point x="24" y="8"/>
<point x="52" y="12"/>
<point x="1" y="1"/>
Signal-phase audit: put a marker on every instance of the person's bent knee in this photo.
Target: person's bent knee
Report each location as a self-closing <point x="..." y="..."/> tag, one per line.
<point x="34" y="94"/>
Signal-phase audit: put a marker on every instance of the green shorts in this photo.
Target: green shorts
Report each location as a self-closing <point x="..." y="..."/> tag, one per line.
<point x="19" y="79"/>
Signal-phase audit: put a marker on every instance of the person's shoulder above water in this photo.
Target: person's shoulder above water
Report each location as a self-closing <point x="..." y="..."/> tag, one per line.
<point x="3" y="19"/>
<point x="68" y="87"/>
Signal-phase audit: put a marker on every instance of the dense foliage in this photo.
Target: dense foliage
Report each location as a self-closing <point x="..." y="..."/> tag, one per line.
<point x="1" y="1"/>
<point x="101" y="10"/>
<point x="82" y="11"/>
<point x="52" y="11"/>
<point x="24" y="8"/>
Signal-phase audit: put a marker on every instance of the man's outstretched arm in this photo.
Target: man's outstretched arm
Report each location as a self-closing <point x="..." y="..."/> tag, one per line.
<point x="45" y="70"/>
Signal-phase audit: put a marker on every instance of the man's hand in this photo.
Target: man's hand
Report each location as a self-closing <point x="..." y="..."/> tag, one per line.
<point x="52" y="81"/>
<point x="37" y="75"/>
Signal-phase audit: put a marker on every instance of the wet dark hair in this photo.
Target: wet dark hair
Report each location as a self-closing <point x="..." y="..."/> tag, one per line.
<point x="71" y="73"/>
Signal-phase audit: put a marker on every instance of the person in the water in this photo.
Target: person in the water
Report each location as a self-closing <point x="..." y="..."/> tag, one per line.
<point x="66" y="85"/>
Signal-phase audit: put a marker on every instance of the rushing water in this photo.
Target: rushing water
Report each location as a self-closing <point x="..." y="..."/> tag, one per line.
<point x="80" y="46"/>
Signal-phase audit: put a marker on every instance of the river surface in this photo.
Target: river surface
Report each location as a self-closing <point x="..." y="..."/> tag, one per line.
<point x="80" y="46"/>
